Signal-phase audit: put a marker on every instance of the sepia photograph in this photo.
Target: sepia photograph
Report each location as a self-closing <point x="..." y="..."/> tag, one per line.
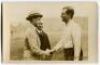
<point x="49" y="31"/>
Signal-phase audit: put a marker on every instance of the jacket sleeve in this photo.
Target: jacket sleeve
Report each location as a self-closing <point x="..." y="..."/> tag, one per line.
<point x="32" y="40"/>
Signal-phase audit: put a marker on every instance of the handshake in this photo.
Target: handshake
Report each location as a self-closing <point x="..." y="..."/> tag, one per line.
<point x="48" y="52"/>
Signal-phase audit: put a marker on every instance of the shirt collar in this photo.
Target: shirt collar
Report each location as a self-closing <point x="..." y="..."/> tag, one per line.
<point x="39" y="31"/>
<point x="70" y="22"/>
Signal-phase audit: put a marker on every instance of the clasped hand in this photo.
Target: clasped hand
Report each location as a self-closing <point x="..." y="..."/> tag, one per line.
<point x="47" y="52"/>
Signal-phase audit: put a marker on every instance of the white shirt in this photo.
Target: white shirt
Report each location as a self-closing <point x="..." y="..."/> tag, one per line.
<point x="71" y="37"/>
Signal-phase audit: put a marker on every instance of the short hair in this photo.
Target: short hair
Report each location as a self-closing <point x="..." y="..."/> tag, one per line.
<point x="69" y="10"/>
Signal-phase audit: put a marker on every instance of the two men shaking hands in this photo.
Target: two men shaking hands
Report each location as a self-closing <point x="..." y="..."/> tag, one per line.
<point x="38" y="42"/>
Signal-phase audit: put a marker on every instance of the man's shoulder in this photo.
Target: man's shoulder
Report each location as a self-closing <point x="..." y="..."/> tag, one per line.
<point x="30" y="31"/>
<point x="75" y="25"/>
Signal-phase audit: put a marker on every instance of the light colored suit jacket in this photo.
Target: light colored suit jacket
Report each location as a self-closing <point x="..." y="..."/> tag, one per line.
<point x="32" y="49"/>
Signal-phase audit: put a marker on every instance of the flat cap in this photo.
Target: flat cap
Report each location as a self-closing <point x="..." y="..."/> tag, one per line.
<point x="33" y="15"/>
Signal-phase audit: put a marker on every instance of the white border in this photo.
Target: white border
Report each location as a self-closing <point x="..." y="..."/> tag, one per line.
<point x="66" y="63"/>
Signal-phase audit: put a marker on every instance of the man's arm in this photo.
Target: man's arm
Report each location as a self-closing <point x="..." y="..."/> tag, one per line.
<point x="33" y="44"/>
<point x="60" y="44"/>
<point x="76" y="36"/>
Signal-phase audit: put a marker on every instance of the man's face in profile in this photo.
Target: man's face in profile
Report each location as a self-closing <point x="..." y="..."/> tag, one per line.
<point x="65" y="17"/>
<point x="37" y="23"/>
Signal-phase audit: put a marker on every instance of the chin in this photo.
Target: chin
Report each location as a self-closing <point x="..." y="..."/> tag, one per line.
<point x="40" y="28"/>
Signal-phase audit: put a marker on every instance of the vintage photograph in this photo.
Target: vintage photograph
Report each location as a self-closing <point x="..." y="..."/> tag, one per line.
<point x="50" y="31"/>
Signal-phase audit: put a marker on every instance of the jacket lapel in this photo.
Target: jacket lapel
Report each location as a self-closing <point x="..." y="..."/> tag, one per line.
<point x="37" y="38"/>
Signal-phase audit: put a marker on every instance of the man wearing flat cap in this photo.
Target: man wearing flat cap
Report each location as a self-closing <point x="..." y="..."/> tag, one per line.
<point x="36" y="40"/>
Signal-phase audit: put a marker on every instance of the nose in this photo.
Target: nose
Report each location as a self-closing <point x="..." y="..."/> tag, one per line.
<point x="40" y="24"/>
<point x="63" y="15"/>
